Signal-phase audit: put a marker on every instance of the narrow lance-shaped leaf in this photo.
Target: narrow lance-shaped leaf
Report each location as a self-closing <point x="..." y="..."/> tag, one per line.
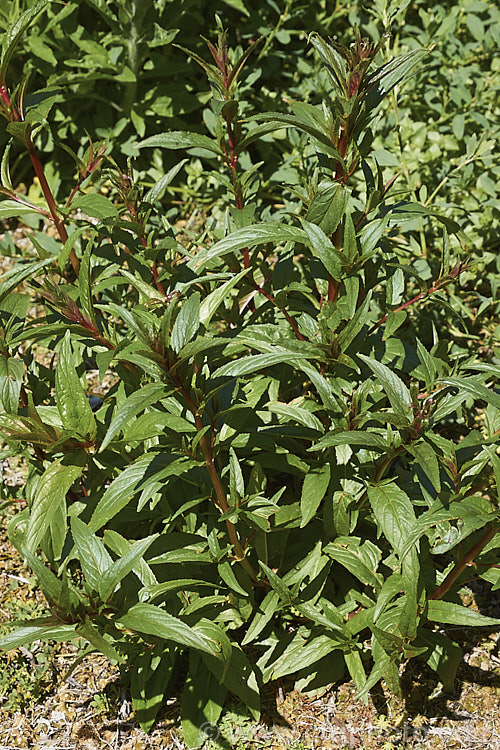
<point x="13" y="34"/>
<point x="397" y="392"/>
<point x="255" y="234"/>
<point x="43" y="629"/>
<point x="11" y="378"/>
<point x="72" y="403"/>
<point x="181" y="139"/>
<point x="131" y="407"/>
<point x="322" y="247"/>
<point x="475" y="388"/>
<point x="187" y="322"/>
<point x="313" y="491"/>
<point x="151" y="620"/>
<point x="122" y="567"/>
<point x="93" y="555"/>
<point x="393" y="511"/>
<point x="50" y="494"/>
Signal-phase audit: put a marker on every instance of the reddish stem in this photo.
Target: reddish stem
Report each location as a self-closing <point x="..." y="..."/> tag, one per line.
<point x="270" y="297"/>
<point x="59" y="224"/>
<point x="220" y="495"/>
<point x="464" y="561"/>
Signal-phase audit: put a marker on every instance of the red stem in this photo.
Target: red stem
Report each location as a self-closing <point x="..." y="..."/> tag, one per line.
<point x="464" y="561"/>
<point x="59" y="224"/>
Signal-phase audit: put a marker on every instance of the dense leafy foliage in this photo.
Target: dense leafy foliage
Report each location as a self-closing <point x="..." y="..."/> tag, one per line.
<point x="284" y="473"/>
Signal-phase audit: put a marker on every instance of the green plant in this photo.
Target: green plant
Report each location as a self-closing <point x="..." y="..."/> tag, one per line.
<point x="281" y="478"/>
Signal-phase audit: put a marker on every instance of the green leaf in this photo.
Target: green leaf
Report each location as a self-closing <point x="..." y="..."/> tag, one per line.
<point x="201" y="703"/>
<point x="157" y="192"/>
<point x="11" y="379"/>
<point x="151" y="620"/>
<point x="280" y="120"/>
<point x="397" y="393"/>
<point x="475" y="388"/>
<point x="154" y="466"/>
<point x="322" y="247"/>
<point x="187" y="323"/>
<point x="85" y="284"/>
<point x="95" y="205"/>
<point x="49" y="583"/>
<point x="361" y="560"/>
<point x="314" y="488"/>
<point x="95" y="638"/>
<point x="92" y="554"/>
<point x="427" y="461"/>
<point x="356" y="669"/>
<point x="255" y="234"/>
<point x="19" y="274"/>
<point x="355" y="325"/>
<point x="210" y="304"/>
<point x="277" y="583"/>
<point x="328" y="206"/>
<point x="150" y="677"/>
<point x="236" y="481"/>
<point x="13" y="34"/>
<point x="296" y="414"/>
<point x="456" y="614"/>
<point x="390" y="74"/>
<point x="254" y="363"/>
<point x="37" y="630"/>
<point x="11" y="209"/>
<point x="268" y="606"/>
<point x="363" y="438"/>
<point x="116" y="572"/>
<point x="155" y="590"/>
<point x="444" y="657"/>
<point x="237" y="675"/>
<point x="71" y="400"/>
<point x="50" y="494"/>
<point x="135" y="403"/>
<point x="393" y="511"/>
<point x="302" y="652"/>
<point x="181" y="139"/>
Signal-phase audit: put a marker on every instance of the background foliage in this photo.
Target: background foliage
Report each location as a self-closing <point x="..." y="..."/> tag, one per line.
<point x="250" y="351"/>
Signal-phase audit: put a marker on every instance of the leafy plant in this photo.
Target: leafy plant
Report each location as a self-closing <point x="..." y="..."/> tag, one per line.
<point x="278" y="479"/>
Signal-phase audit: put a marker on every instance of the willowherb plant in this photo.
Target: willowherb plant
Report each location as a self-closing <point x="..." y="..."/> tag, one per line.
<point x="271" y="480"/>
